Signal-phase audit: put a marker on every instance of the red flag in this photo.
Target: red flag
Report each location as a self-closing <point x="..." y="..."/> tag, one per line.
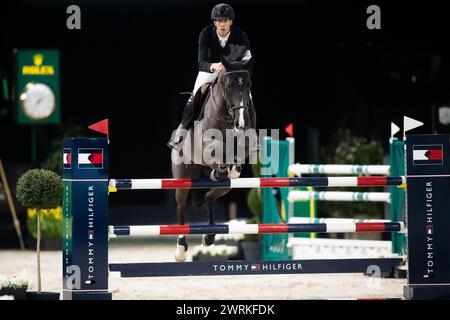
<point x="101" y="126"/>
<point x="290" y="129"/>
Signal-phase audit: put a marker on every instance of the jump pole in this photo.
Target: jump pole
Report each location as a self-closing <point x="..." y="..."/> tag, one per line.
<point x="202" y="183"/>
<point x="328" y="227"/>
<point x="85" y="216"/>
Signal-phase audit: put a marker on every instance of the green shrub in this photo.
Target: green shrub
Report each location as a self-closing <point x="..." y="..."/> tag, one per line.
<point x="40" y="189"/>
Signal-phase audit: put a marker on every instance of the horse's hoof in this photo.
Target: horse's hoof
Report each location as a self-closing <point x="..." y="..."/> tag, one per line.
<point x="212" y="175"/>
<point x="234" y="172"/>
<point x="208" y="239"/>
<point x="217" y="174"/>
<point x="180" y="253"/>
<point x="182" y="248"/>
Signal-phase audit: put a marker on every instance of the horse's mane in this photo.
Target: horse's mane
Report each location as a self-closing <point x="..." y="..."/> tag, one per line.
<point x="235" y="60"/>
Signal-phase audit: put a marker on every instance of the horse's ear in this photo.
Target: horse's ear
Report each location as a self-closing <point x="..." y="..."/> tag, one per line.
<point x="226" y="63"/>
<point x="237" y="52"/>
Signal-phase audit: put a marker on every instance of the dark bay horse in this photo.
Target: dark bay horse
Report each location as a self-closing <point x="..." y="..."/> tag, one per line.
<point x="229" y="116"/>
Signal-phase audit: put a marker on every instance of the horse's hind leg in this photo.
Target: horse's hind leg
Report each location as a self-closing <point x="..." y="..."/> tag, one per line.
<point x="181" y="196"/>
<point x="210" y="201"/>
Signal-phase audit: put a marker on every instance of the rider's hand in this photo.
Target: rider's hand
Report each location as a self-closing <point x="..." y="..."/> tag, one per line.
<point x="217" y="67"/>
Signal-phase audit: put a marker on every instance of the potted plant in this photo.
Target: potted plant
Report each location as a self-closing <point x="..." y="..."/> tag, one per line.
<point x="14" y="287"/>
<point x="40" y="189"/>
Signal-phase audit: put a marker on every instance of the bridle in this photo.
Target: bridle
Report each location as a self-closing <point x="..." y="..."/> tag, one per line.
<point x="230" y="109"/>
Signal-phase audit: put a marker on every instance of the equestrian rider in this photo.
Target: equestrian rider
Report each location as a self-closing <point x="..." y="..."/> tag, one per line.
<point x="213" y="44"/>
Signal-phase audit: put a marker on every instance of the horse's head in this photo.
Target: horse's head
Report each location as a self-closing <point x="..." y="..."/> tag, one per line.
<point x="236" y="83"/>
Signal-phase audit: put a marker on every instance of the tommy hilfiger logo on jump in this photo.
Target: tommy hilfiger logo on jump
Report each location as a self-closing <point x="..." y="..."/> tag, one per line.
<point x="257" y="267"/>
<point x="428" y="154"/>
<point x="67" y="158"/>
<point x="90" y="158"/>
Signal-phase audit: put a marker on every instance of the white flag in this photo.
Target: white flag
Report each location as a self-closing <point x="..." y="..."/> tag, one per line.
<point x="409" y="124"/>
<point x="394" y="129"/>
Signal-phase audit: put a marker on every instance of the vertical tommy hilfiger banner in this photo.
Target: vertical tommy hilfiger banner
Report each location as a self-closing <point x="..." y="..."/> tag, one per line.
<point x="85" y="219"/>
<point x="428" y="187"/>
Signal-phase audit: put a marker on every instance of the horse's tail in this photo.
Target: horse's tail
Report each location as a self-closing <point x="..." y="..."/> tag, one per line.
<point x="198" y="198"/>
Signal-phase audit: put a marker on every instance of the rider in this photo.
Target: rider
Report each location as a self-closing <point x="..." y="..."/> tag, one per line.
<point x="213" y="44"/>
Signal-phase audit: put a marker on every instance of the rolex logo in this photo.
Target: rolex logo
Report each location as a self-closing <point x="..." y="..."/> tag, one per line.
<point x="38" y="68"/>
<point x="38" y="59"/>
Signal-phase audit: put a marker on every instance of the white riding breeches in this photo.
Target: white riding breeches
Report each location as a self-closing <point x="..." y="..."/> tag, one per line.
<point x="202" y="78"/>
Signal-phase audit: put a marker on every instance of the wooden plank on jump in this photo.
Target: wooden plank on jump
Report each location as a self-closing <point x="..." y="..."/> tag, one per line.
<point x="238" y="267"/>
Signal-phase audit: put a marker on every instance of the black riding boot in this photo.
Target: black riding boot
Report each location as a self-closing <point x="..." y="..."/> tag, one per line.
<point x="188" y="114"/>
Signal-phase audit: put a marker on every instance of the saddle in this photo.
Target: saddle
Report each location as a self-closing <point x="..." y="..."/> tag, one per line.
<point x="200" y="98"/>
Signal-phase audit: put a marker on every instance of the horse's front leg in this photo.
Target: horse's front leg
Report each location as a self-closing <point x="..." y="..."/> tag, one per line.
<point x="181" y="196"/>
<point x="220" y="172"/>
<point x="210" y="201"/>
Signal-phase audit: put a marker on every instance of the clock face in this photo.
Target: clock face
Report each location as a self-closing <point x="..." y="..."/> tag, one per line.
<point x="38" y="100"/>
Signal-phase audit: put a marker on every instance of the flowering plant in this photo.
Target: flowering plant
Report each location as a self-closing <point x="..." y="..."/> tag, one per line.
<point x="19" y="281"/>
<point x="51" y="222"/>
<point x="221" y="250"/>
<point x="215" y="250"/>
<point x="225" y="247"/>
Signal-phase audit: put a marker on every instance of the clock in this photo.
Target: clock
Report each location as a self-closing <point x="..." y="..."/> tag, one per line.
<point x="38" y="100"/>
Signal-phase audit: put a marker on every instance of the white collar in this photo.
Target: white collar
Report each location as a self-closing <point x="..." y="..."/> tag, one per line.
<point x="223" y="38"/>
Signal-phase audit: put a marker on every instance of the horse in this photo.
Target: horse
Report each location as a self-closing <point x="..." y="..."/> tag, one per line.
<point x="228" y="110"/>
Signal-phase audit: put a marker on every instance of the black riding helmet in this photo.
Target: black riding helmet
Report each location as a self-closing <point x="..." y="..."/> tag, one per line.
<point x="222" y="11"/>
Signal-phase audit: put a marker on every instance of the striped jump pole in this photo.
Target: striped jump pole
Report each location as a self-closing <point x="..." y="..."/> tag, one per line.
<point x="328" y="227"/>
<point x="124" y="184"/>
<point x="299" y="169"/>
<point x="297" y="195"/>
